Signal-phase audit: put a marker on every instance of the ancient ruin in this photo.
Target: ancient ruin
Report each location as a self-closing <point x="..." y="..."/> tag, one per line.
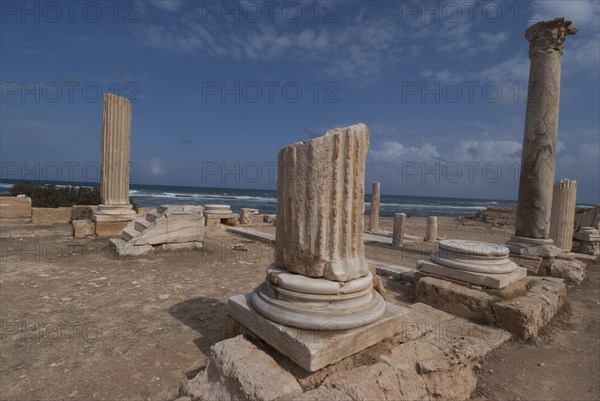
<point x="563" y="214"/>
<point x="532" y="232"/>
<point x="375" y="198"/>
<point x="320" y="279"/>
<point x="431" y="229"/>
<point x="115" y="211"/>
<point x="398" y="233"/>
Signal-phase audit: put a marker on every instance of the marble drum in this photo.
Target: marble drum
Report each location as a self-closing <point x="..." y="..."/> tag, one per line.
<point x="474" y="262"/>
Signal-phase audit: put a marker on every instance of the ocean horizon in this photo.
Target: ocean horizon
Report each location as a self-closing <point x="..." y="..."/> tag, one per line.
<point x="265" y="200"/>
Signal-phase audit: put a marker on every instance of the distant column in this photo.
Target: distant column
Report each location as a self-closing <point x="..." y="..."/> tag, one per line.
<point x="563" y="213"/>
<point x="398" y="234"/>
<point x="546" y="43"/>
<point x="431" y="229"/>
<point x="375" y="197"/>
<point x="115" y="210"/>
<point x="116" y="131"/>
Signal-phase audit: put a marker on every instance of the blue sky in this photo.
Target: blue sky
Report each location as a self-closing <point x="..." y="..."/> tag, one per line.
<point x="217" y="88"/>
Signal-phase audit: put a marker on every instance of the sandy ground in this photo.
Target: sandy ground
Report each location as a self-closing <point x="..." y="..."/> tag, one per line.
<point x="76" y="323"/>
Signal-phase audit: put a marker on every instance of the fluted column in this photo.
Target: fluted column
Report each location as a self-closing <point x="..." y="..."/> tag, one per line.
<point x="116" y="128"/>
<point x="546" y="42"/>
<point x="320" y="278"/>
<point x="114" y="178"/>
<point x="563" y="213"/>
<point x="375" y="198"/>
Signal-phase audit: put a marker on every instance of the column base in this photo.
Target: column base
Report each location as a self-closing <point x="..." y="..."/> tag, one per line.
<point x="316" y="303"/>
<point x="111" y="219"/>
<point x="524" y="246"/>
<point x="315" y="349"/>
<point x="494" y="281"/>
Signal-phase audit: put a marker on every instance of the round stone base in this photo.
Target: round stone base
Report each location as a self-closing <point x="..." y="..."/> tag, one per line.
<point x="320" y="305"/>
<point x="474" y="256"/>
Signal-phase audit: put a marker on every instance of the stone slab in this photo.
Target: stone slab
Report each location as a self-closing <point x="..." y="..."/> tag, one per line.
<point x="526" y="315"/>
<point x="83" y="228"/>
<point x="47" y="215"/>
<point x="110" y="228"/>
<point x="311" y="349"/>
<point x="397" y="271"/>
<point x="12" y="207"/>
<point x="488" y="280"/>
<point x="522" y="309"/>
<point x="238" y="370"/>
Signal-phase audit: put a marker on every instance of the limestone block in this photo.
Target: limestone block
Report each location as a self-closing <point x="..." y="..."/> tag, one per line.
<point x="15" y="207"/>
<point x="398" y="233"/>
<point x="247" y="215"/>
<point x="270" y="218"/>
<point x="109" y="228"/>
<point x="526" y="315"/>
<point x="237" y="369"/>
<point x="374" y="382"/>
<point x="46" y="215"/>
<point x="83" y="228"/>
<point x="456" y="299"/>
<point x="573" y="271"/>
<point x="83" y="212"/>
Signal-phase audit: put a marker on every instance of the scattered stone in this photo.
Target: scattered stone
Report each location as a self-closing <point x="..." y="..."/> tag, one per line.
<point x="240" y="247"/>
<point x="573" y="271"/>
<point x="163" y="296"/>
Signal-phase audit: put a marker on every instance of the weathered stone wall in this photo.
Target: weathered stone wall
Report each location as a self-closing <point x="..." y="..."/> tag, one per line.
<point x="15" y="207"/>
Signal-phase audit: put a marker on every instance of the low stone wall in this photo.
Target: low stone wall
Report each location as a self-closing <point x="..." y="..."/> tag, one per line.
<point x="15" y="207"/>
<point x="502" y="216"/>
<point x="47" y="215"/>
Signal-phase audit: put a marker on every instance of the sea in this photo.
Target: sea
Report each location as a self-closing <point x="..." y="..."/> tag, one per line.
<point x="266" y="200"/>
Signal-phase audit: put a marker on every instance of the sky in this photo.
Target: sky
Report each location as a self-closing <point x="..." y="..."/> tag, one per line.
<point x="218" y="87"/>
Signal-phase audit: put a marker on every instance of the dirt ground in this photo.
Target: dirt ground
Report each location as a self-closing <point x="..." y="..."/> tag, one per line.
<point x="77" y="323"/>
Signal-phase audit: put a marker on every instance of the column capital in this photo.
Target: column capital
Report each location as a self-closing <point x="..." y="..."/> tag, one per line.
<point x="548" y="36"/>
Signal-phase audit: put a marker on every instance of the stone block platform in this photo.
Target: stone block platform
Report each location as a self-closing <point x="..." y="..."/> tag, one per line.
<point x="522" y="308"/>
<point x="315" y="349"/>
<point x="436" y="356"/>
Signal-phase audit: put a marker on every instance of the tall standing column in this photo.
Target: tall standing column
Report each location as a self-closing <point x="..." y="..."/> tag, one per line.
<point x="563" y="213"/>
<point x="375" y="197"/>
<point x="114" y="180"/>
<point x="546" y="42"/>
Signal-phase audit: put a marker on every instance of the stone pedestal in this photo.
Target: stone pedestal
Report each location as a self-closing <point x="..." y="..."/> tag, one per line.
<point x="398" y="233"/>
<point x="589" y="241"/>
<point x="247" y="215"/>
<point x="563" y="214"/>
<point x="431" y="229"/>
<point x="375" y="198"/>
<point x="219" y="214"/>
<point x="115" y="211"/>
<point x="546" y="43"/>
<point x="473" y="262"/>
<point x="320" y="280"/>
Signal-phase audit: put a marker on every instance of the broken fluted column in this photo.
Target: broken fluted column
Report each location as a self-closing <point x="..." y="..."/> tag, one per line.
<point x="375" y="197"/>
<point x="114" y="179"/>
<point x="398" y="233"/>
<point x="431" y="229"/>
<point x="546" y="42"/>
<point x="320" y="279"/>
<point x="563" y="213"/>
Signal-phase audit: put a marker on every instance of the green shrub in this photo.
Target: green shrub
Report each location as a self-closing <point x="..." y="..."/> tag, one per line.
<point x="53" y="196"/>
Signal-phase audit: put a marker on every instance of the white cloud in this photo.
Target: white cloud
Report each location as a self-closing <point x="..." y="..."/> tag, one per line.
<point x="486" y="151"/>
<point x="581" y="12"/>
<point x="395" y="152"/>
<point x="154" y="166"/>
